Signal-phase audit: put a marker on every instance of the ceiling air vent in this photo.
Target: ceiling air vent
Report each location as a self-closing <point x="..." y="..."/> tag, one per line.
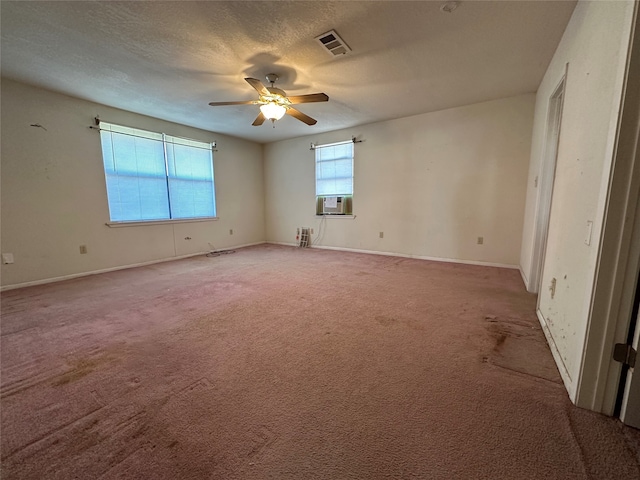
<point x="332" y="42"/>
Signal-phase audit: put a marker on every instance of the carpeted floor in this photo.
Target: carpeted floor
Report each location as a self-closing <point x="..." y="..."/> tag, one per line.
<point x="284" y="363"/>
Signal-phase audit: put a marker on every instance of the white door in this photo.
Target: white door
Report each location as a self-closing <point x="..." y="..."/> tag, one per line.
<point x="619" y="263"/>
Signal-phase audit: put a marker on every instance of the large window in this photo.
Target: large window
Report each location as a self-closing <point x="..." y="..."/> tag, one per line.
<point x="152" y="176"/>
<point x="334" y="178"/>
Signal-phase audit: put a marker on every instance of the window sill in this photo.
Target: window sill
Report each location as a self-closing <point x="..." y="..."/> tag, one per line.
<point x="337" y="216"/>
<point x="158" y="222"/>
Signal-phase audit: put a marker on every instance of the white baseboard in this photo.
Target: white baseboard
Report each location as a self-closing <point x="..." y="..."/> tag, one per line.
<point x="406" y="255"/>
<point x="112" y="269"/>
<point x="286" y="244"/>
<point x="564" y="373"/>
<point x="524" y="277"/>
<point x="355" y="250"/>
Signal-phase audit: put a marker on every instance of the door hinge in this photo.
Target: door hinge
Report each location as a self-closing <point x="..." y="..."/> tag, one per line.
<point x="624" y="354"/>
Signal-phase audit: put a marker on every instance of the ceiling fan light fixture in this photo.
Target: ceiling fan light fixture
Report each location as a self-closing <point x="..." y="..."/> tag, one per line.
<point x="272" y="111"/>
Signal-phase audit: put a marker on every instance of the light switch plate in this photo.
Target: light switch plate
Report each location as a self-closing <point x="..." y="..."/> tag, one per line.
<point x="587" y="238"/>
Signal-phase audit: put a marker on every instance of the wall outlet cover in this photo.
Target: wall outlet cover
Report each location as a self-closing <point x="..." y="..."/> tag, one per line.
<point x="7" y="258"/>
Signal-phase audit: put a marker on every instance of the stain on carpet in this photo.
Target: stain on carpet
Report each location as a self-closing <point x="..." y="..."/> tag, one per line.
<point x="515" y="342"/>
<point x="385" y="321"/>
<point x="361" y="274"/>
<point x="388" y="321"/>
<point x="80" y="368"/>
<point x="500" y="339"/>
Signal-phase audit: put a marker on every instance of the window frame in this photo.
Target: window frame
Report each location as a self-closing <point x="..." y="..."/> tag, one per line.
<point x="107" y="130"/>
<point x="347" y="198"/>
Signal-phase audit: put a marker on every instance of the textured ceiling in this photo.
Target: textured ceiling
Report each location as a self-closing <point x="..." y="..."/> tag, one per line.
<point x="169" y="59"/>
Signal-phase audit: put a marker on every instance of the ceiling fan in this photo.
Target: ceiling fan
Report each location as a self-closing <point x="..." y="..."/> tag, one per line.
<point x="274" y="102"/>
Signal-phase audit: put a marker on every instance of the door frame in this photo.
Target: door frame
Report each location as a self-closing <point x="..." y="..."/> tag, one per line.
<point x="546" y="180"/>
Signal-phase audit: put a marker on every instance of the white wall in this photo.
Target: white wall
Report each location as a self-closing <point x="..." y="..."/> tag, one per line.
<point x="595" y="47"/>
<point x="432" y="183"/>
<point x="54" y="195"/>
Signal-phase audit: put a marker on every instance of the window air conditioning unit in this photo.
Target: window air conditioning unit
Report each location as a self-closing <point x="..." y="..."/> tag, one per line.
<point x="333" y="205"/>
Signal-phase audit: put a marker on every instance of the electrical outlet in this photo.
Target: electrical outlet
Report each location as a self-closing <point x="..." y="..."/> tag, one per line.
<point x="381" y="234"/>
<point x="83" y="249"/>
<point x="480" y="240"/>
<point x="231" y="231"/>
<point x="7" y="258"/>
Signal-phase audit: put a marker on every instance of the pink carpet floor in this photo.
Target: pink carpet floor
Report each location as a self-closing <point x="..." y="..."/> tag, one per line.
<point x="284" y="363"/>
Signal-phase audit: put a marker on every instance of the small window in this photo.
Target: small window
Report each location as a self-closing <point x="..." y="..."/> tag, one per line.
<point x="334" y="179"/>
<point x="152" y="176"/>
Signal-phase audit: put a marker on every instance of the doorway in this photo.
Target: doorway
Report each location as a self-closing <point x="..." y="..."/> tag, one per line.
<point x="544" y="182"/>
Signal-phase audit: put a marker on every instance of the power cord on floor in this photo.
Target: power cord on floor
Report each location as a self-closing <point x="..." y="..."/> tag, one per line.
<point x="217" y="253"/>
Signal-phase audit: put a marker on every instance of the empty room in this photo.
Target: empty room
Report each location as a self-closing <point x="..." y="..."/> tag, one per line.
<point x="319" y="240"/>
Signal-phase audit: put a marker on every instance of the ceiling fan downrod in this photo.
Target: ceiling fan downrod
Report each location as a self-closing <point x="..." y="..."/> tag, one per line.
<point x="272" y="78"/>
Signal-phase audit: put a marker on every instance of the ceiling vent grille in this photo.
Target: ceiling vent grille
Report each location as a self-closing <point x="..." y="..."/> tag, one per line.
<point x="333" y="44"/>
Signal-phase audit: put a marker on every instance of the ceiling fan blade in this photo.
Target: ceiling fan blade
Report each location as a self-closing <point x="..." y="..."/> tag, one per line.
<point x="257" y="84"/>
<point x="301" y="116"/>
<point x="218" y="104"/>
<point x="259" y="120"/>
<point x="312" y="97"/>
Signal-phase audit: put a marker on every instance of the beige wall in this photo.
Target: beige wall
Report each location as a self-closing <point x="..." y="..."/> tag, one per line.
<point x="595" y="47"/>
<point x="54" y="195"/>
<point x="432" y="183"/>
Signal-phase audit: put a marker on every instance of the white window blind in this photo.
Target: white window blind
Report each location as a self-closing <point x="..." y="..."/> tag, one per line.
<point x="152" y="176"/>
<point x="334" y="169"/>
